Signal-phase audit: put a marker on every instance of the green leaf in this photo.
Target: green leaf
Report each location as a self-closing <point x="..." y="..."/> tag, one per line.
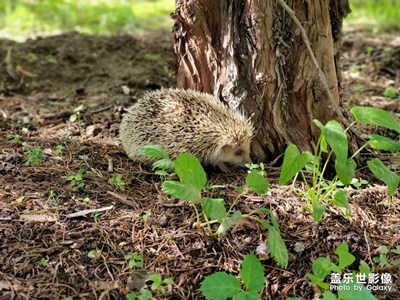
<point x="163" y="164"/>
<point x="364" y="268"/>
<point x="277" y="246"/>
<point x="345" y="257"/>
<point x="181" y="190"/>
<point x="192" y="179"/>
<point x="321" y="268"/>
<point x="247" y="295"/>
<point x="293" y="162"/>
<point x="385" y="174"/>
<point x="340" y="200"/>
<point x="189" y="169"/>
<point x="228" y="222"/>
<point x="379" y="142"/>
<point x="354" y="291"/>
<point x="153" y="151"/>
<point x="145" y="294"/>
<point x="328" y="295"/>
<point x="252" y="273"/>
<point x="257" y="183"/>
<point x="73" y="117"/>
<point x="345" y="170"/>
<point x="336" y="138"/>
<point x="220" y="286"/>
<point x="318" y="210"/>
<point x="214" y="208"/>
<point x="396" y="250"/>
<point x="375" y="116"/>
<point x="390" y="92"/>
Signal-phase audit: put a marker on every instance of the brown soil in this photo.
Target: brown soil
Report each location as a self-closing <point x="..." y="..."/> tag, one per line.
<point x="106" y="75"/>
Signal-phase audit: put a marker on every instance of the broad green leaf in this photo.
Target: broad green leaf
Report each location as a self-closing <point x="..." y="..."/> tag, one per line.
<point x="336" y="138"/>
<point x="273" y="220"/>
<point x="189" y="169"/>
<point x="153" y="151"/>
<point x="277" y="247"/>
<point x="293" y="162"/>
<point x="345" y="257"/>
<point x="228" y="222"/>
<point x="364" y="268"/>
<point x="145" y="294"/>
<point x="345" y="170"/>
<point x="379" y="142"/>
<point x="257" y="183"/>
<point x="214" y="208"/>
<point x="385" y="174"/>
<point x="164" y="164"/>
<point x="328" y="295"/>
<point x="396" y="250"/>
<point x="318" y="211"/>
<point x="340" y="200"/>
<point x="354" y="291"/>
<point x="247" y="295"/>
<point x="181" y="190"/>
<point x="252" y="273"/>
<point x="220" y="286"/>
<point x="375" y="116"/>
<point x="321" y="268"/>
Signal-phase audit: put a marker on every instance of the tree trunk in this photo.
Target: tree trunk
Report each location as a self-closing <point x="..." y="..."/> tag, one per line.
<point x="251" y="55"/>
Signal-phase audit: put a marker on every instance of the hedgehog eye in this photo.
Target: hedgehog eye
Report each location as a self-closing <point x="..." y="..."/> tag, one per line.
<point x="238" y="152"/>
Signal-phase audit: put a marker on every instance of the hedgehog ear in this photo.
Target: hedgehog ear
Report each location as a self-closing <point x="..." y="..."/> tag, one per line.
<point x="225" y="145"/>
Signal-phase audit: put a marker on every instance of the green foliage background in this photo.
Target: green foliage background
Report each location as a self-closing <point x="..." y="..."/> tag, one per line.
<point x="21" y="18"/>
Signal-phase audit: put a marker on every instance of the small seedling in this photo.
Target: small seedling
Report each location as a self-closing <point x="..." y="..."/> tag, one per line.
<point x="52" y="195"/>
<point x="358" y="88"/>
<point x="51" y="59"/>
<point x="20" y="199"/>
<point x="96" y="216"/>
<point x="384" y="260"/>
<point x="146" y="216"/>
<point x="348" y="287"/>
<point x="221" y="285"/>
<point x="15" y="139"/>
<point x="94" y="253"/>
<point x="43" y="261"/>
<point x="143" y="294"/>
<point x="135" y="260"/>
<point x="77" y="112"/>
<point x="390" y="92"/>
<point x="152" y="57"/>
<point x="59" y="150"/>
<point x="333" y="141"/>
<point x="86" y="200"/>
<point x="117" y="181"/>
<point x="159" y="284"/>
<point x="76" y="180"/>
<point x="257" y="168"/>
<point x="35" y="156"/>
<point x="32" y="57"/>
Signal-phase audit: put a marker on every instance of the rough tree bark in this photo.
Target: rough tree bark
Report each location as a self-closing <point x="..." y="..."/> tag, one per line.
<point x="251" y="55"/>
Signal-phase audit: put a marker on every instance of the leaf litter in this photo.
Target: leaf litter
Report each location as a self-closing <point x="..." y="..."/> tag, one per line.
<point x="106" y="75"/>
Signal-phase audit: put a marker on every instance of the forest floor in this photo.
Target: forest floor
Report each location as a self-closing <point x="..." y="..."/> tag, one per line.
<point x="46" y="252"/>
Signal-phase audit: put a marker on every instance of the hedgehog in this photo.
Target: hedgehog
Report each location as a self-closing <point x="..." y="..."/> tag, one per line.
<point x="180" y="121"/>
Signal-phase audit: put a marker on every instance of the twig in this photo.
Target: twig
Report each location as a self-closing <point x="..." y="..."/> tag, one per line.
<point x="88" y="211"/>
